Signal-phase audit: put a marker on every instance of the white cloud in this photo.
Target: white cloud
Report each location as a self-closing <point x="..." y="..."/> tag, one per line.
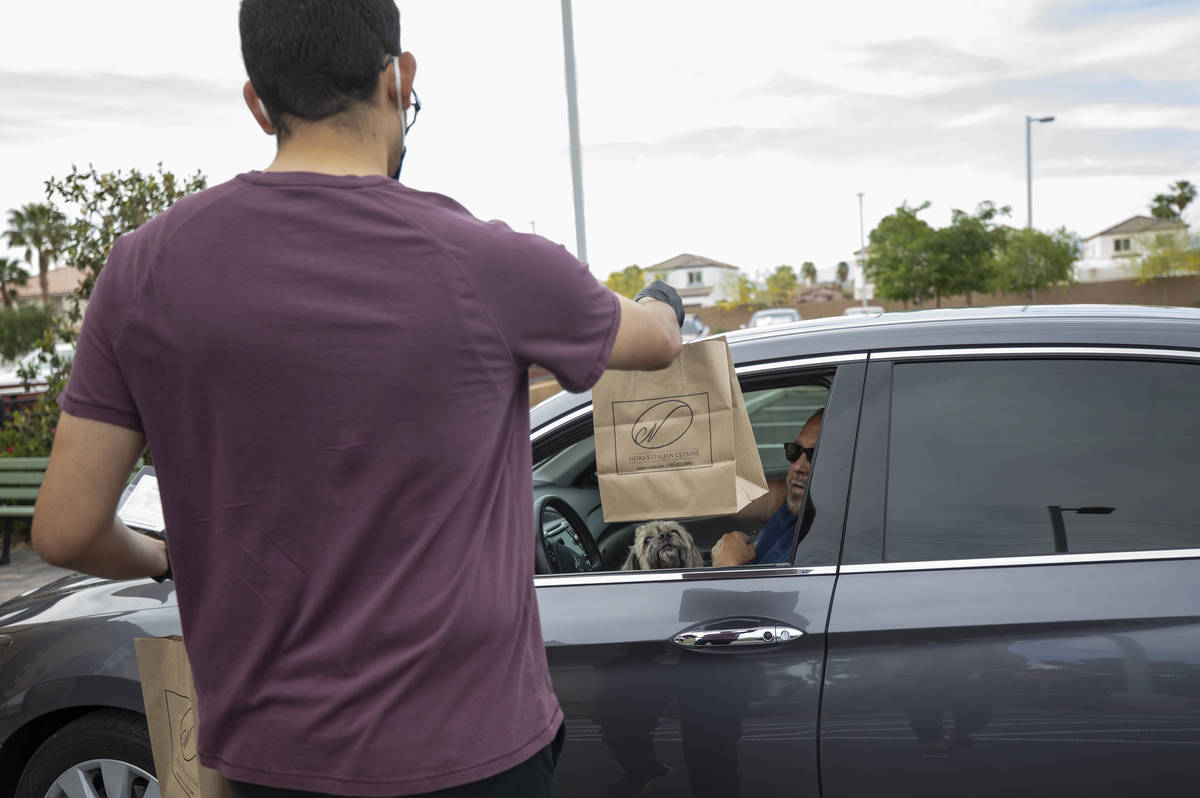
<point x="741" y="132"/>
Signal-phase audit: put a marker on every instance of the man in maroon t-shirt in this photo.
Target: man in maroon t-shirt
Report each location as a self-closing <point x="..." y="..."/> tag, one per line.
<point x="331" y="371"/>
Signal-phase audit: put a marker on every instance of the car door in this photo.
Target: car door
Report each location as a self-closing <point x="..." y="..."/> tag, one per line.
<point x="1017" y="610"/>
<point x="646" y="713"/>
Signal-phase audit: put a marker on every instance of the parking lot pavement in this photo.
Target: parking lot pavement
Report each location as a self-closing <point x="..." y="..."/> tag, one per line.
<point x="25" y="572"/>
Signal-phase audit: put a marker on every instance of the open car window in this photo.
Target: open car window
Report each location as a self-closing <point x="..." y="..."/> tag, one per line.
<point x="568" y="474"/>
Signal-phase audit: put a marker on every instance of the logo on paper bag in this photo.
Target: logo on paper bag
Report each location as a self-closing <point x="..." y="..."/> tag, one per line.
<point x="662" y="433"/>
<point x="662" y="424"/>
<point x="182" y="718"/>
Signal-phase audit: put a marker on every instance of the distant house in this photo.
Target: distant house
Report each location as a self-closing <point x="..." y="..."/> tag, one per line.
<point x="62" y="283"/>
<point x="1113" y="254"/>
<point x="701" y="282"/>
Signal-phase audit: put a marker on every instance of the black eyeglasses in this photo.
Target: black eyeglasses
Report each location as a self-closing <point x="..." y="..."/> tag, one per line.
<point x="792" y="452"/>
<point x="414" y="107"/>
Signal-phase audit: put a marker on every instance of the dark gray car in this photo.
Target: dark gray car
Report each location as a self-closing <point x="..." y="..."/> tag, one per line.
<point x="994" y="586"/>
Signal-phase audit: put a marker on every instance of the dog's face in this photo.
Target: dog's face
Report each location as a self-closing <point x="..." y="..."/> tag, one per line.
<point x="662" y="544"/>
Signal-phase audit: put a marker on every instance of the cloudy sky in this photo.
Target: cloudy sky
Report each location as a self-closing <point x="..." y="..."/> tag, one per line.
<point x="738" y="131"/>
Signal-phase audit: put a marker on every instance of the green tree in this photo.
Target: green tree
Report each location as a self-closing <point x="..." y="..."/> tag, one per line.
<point x="107" y="205"/>
<point x="628" y="281"/>
<point x="21" y="328"/>
<point x="42" y="230"/>
<point x="1030" y="259"/>
<point x="1172" y="203"/>
<point x="1169" y="256"/>
<point x="742" y="292"/>
<point x="1162" y="207"/>
<point x="780" y="285"/>
<point x="843" y="271"/>
<point x="900" y="259"/>
<point x="1185" y="192"/>
<point x="808" y="271"/>
<point x="12" y="274"/>
<point x="963" y="255"/>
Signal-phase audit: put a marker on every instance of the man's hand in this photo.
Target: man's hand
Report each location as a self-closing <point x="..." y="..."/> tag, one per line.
<point x="732" y="549"/>
<point x="665" y="293"/>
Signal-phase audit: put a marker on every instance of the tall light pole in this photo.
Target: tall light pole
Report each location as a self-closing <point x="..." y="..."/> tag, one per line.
<point x="1029" y="120"/>
<point x="573" y="122"/>
<point x="862" y="251"/>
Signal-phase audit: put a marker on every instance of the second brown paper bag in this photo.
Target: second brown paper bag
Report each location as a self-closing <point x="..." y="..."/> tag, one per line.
<point x="170" y="698"/>
<point x="675" y="443"/>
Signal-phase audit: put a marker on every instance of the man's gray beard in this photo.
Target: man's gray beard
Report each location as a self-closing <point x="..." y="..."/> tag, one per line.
<point x="794" y="507"/>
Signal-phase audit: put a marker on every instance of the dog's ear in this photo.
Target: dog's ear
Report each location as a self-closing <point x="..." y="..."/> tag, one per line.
<point x="692" y="558"/>
<point x="631" y="561"/>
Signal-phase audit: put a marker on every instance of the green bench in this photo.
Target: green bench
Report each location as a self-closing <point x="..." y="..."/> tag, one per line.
<point x="20" y="480"/>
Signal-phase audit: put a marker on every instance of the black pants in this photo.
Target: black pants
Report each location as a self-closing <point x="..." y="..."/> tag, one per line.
<point x="533" y="778"/>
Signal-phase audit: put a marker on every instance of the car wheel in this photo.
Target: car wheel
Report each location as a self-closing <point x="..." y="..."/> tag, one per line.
<point x="105" y="754"/>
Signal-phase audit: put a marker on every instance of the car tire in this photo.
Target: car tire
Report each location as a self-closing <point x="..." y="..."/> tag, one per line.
<point x="108" y="749"/>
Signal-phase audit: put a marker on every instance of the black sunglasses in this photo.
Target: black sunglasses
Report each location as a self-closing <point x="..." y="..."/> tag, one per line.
<point x="792" y="452"/>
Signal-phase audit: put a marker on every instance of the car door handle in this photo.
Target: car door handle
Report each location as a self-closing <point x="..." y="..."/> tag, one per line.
<point x="772" y="635"/>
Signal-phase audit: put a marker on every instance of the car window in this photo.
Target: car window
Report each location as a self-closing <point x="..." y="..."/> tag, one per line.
<point x="776" y="417"/>
<point x="1011" y="458"/>
<point x="763" y="319"/>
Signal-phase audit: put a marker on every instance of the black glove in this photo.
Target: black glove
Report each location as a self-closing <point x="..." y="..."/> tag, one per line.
<point x="663" y="293"/>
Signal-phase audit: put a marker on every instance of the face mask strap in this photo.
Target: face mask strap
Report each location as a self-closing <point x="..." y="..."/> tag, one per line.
<point x="400" y="109"/>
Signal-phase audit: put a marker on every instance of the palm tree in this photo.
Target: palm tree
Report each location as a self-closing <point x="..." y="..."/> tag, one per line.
<point x="1163" y="207"/>
<point x="1185" y="192"/>
<point x="843" y="271"/>
<point x="809" y="272"/>
<point x="11" y="274"/>
<point x="42" y="229"/>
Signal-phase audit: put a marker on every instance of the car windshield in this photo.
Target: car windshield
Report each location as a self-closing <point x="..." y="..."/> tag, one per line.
<point x="763" y="319"/>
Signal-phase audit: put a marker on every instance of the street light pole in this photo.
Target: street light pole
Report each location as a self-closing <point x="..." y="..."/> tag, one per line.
<point x="862" y="251"/>
<point x="573" y="122"/>
<point x="1029" y="120"/>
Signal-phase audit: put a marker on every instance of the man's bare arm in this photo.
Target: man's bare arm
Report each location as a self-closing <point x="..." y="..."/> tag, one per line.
<point x="733" y="547"/>
<point x="765" y="506"/>
<point x="74" y="522"/>
<point x="648" y="338"/>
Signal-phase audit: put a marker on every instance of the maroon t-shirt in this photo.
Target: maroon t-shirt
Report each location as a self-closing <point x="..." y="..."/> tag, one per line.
<point x="331" y="374"/>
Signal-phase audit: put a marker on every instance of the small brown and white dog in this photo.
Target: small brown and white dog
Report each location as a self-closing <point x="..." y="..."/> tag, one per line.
<point x="662" y="544"/>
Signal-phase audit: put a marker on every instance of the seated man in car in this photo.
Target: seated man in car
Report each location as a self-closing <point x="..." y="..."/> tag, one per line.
<point x="780" y="506"/>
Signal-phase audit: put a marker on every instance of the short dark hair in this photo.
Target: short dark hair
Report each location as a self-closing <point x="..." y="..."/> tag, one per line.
<point x="313" y="59"/>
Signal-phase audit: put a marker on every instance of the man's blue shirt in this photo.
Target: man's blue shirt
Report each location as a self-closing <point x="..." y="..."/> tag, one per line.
<point x="774" y="542"/>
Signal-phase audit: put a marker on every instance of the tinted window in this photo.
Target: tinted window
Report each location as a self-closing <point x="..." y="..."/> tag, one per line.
<point x="776" y="417"/>
<point x="1005" y="458"/>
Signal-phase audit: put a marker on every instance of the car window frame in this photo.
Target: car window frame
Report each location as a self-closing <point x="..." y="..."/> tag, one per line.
<point x="863" y="550"/>
<point x="848" y="371"/>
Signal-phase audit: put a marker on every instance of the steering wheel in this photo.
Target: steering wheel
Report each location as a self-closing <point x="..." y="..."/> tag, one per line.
<point x="542" y="556"/>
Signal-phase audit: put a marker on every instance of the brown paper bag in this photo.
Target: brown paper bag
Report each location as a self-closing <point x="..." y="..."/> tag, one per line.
<point x="675" y="443"/>
<point x="170" y="699"/>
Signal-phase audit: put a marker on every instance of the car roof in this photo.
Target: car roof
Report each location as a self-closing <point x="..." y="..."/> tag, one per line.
<point x="1020" y="325"/>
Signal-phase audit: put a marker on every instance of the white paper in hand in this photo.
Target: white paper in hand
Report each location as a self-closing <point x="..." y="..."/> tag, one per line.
<point x="141" y="506"/>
